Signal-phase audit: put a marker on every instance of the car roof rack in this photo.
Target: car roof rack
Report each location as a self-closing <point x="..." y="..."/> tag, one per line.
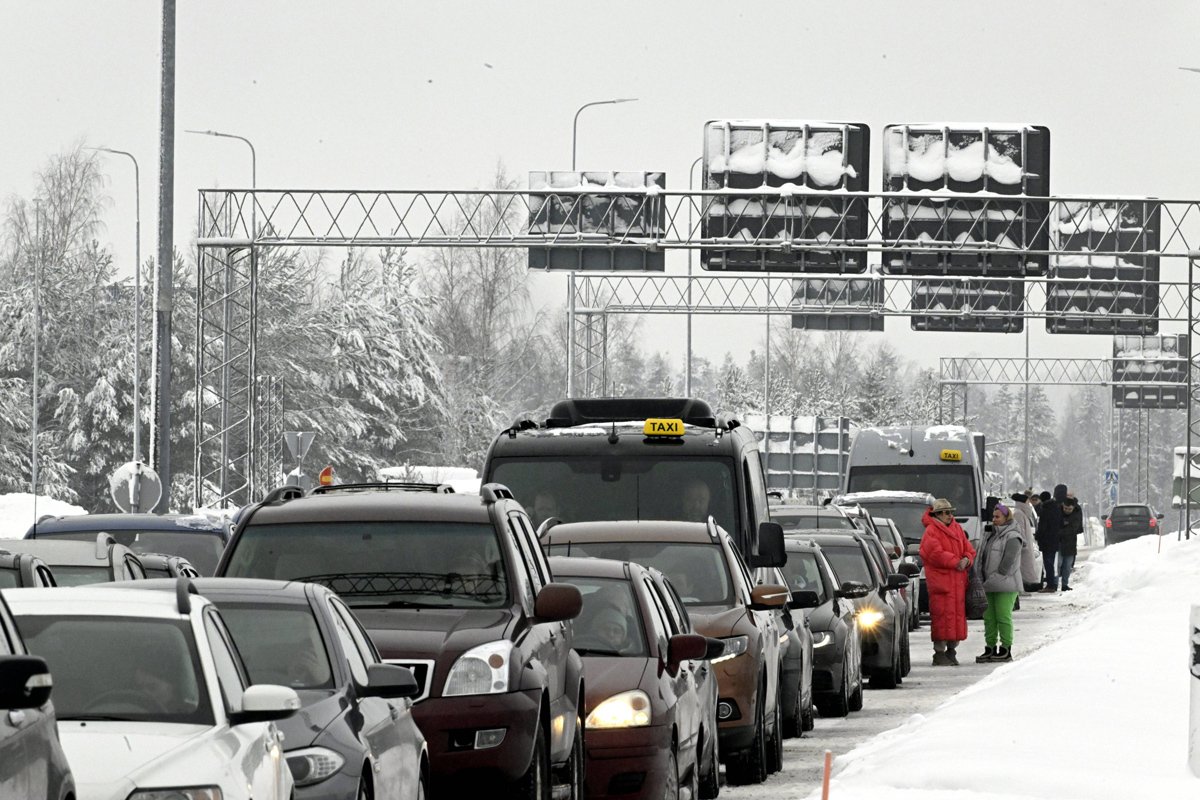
<point x="547" y="524"/>
<point x="282" y="494"/>
<point x="386" y="486"/>
<point x="184" y="588"/>
<point x="493" y="492"/>
<point x="104" y="540"/>
<point x="598" y="410"/>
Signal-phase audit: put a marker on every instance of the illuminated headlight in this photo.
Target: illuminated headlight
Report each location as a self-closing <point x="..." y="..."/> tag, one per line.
<point x="480" y="670"/>
<point x="624" y="710"/>
<point x="191" y="793"/>
<point x="869" y="618"/>
<point x="734" y="647"/>
<point x="821" y="638"/>
<point x="313" y="765"/>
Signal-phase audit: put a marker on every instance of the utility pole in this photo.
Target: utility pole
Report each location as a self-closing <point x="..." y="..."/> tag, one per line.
<point x="164" y="268"/>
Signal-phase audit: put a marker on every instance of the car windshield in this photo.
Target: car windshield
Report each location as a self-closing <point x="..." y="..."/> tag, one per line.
<point x="907" y="517"/>
<point x="610" y="623"/>
<point x="849" y="563"/>
<point x="120" y="668"/>
<point x="280" y="644"/>
<point x="432" y="564"/>
<point x="698" y="571"/>
<point x="612" y="488"/>
<point x="802" y="572"/>
<point x="811" y="519"/>
<point x="955" y="482"/>
<point x="201" y="548"/>
<point x="80" y="576"/>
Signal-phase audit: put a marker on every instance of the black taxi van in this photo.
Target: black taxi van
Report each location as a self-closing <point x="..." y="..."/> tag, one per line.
<point x="602" y="459"/>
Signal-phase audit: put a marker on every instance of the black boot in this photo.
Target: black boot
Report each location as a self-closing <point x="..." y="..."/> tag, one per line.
<point x="952" y="654"/>
<point x="988" y="654"/>
<point x="1002" y="654"/>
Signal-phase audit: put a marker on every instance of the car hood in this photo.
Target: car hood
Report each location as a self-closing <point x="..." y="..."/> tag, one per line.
<point x="608" y="675"/>
<point x="111" y="759"/>
<point x="318" y="709"/>
<point x="430" y="632"/>
<point x="716" y="621"/>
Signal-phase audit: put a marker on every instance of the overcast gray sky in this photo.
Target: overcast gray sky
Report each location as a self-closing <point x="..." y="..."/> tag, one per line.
<point x="399" y="95"/>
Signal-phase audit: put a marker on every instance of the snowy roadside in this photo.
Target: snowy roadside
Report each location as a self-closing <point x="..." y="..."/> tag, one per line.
<point x="1100" y="713"/>
<point x="17" y="512"/>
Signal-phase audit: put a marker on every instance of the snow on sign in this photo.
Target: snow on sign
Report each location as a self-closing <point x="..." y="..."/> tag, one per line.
<point x="1107" y="281"/>
<point x="567" y="208"/>
<point x="838" y="304"/>
<point x="1150" y="371"/>
<point x="805" y="456"/>
<point x="804" y="165"/>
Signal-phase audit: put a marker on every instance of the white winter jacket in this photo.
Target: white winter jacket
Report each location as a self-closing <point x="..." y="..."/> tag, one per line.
<point x="1031" y="556"/>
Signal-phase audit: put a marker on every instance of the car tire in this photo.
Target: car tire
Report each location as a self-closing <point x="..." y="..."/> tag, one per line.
<point x="905" y="656"/>
<point x="422" y="791"/>
<point x="775" y="743"/>
<point x="793" y="723"/>
<point x="576" y="767"/>
<point x="710" y="778"/>
<point x="807" y="722"/>
<point x="856" y="696"/>
<point x="839" y="704"/>
<point x="535" y="783"/>
<point x="671" y="790"/>
<point x="887" y="677"/>
<point x="750" y="765"/>
<point x="364" y="790"/>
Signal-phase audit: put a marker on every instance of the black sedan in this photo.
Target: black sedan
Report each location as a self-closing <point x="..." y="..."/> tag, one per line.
<point x="354" y="736"/>
<point x="832" y="619"/>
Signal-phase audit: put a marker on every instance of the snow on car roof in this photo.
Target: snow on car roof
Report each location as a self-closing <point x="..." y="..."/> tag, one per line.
<point x="92" y="601"/>
<point x="885" y="495"/>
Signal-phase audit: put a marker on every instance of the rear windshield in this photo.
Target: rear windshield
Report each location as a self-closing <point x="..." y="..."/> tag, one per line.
<point x="280" y="644"/>
<point x="907" y="517"/>
<point x="423" y="564"/>
<point x="610" y="623"/>
<point x="9" y="579"/>
<point x="634" y="487"/>
<point x="80" y="576"/>
<point x="698" y="571"/>
<point x="954" y="482"/>
<point x="849" y="563"/>
<point x="812" y="519"/>
<point x="1130" y="511"/>
<point x="201" y="548"/>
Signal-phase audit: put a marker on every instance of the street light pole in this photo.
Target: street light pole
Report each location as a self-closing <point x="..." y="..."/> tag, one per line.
<point x="575" y="124"/>
<point x="137" y="302"/>
<point x="253" y="160"/>
<point x="687" y="375"/>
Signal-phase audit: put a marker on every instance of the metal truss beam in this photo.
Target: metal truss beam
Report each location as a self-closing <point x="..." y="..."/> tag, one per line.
<point x="1021" y="371"/>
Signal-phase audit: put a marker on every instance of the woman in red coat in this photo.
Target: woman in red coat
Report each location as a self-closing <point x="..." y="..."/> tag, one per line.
<point x="947" y="555"/>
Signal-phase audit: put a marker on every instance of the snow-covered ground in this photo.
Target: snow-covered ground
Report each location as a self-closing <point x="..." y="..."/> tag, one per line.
<point x="17" y="512"/>
<point x="1102" y="712"/>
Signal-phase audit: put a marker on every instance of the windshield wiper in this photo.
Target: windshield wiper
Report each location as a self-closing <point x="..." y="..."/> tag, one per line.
<point x="95" y="718"/>
<point x="400" y="604"/>
<point x="596" y="651"/>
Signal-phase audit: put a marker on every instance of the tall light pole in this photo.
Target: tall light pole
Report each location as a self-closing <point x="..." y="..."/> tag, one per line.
<point x="687" y="375"/>
<point x="253" y="161"/>
<point x="137" y="302"/>
<point x="37" y="335"/>
<point x="164" y="265"/>
<point x="575" y="124"/>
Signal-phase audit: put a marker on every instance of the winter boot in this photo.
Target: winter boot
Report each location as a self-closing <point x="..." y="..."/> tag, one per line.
<point x="989" y="652"/>
<point x="952" y="653"/>
<point x="942" y="660"/>
<point x="1002" y="654"/>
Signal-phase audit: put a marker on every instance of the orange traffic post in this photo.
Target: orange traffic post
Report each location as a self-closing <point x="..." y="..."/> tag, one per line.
<point x="825" y="780"/>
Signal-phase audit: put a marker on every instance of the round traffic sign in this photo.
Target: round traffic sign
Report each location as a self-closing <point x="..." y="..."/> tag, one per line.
<point x="135" y="488"/>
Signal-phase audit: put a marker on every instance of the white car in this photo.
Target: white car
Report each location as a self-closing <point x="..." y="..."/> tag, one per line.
<point x="152" y="698"/>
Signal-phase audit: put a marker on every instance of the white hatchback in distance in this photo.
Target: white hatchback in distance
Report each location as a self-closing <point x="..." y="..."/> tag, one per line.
<point x="152" y="698"/>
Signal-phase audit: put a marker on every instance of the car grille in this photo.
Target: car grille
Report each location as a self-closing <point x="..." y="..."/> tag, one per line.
<point x="421" y="670"/>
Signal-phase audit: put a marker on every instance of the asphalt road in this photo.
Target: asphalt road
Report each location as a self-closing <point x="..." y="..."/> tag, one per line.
<point x="1038" y="622"/>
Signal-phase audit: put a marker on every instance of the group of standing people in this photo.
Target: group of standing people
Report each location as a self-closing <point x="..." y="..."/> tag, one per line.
<point x="1006" y="565"/>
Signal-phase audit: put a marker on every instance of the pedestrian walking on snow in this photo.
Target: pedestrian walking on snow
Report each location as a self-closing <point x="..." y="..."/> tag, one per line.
<point x="947" y="555"/>
<point x="1068" y="539"/>
<point x="1000" y="570"/>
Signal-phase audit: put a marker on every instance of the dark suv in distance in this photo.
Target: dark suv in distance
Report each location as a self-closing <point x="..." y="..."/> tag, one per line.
<point x="197" y="537"/>
<point x="1129" y="521"/>
<point x="456" y="588"/>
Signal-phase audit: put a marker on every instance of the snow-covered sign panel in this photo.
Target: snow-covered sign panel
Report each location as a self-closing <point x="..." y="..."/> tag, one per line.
<point x="956" y="304"/>
<point x="804" y="456"/>
<point x="579" y="213"/>
<point x="838" y="304"/>
<point x="805" y="170"/>
<point x="1105" y="280"/>
<point x="993" y="229"/>
<point x="1150" y="371"/>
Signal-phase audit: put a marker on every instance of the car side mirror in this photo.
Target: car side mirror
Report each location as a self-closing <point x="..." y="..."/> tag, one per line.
<point x="24" y="682"/>
<point x="557" y="602"/>
<point x="805" y="598"/>
<point x="1158" y="516"/>
<point x="686" y="647"/>
<point x="714" y="648"/>
<point x="897" y="581"/>
<point x="771" y="549"/>
<point x="1104" y="516"/>
<point x="389" y="681"/>
<point x="266" y="702"/>
<point x="908" y="569"/>
<point x="768" y="596"/>
<point x="913" y="550"/>
<point x="852" y="590"/>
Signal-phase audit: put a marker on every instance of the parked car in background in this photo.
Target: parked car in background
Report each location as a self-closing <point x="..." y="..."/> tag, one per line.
<point x="354" y="735"/>
<point x="1130" y="520"/>
<point x="898" y="597"/>
<point x="76" y="563"/>
<point x="456" y="588"/>
<point x="32" y="762"/>
<point x="714" y="583"/>
<point x="646" y="735"/>
<point x="794" y="518"/>
<point x="22" y="570"/>
<point x="152" y="697"/>
<point x="197" y="537"/>
<point x="160" y="565"/>
<point x="797" y="659"/>
<point x="833" y="620"/>
<point x="882" y="621"/>
<point x="905" y="510"/>
<point x="906" y="564"/>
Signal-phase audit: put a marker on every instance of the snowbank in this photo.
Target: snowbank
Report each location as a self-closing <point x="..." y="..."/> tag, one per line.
<point x="1101" y="713"/>
<point x="17" y="512"/>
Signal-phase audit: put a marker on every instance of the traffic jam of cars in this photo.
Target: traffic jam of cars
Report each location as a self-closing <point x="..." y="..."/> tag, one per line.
<point x="621" y="611"/>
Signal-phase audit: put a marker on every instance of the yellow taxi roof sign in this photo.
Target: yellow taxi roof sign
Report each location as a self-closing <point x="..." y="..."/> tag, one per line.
<point x="952" y="455"/>
<point x="663" y="427"/>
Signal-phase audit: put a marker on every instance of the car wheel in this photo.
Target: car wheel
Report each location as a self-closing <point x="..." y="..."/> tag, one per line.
<point x="775" y="743"/>
<point x="577" y="765"/>
<point x="364" y="790"/>
<point x="750" y="766"/>
<point x="856" y="696"/>
<point x="905" y="656"/>
<point x="806" y="713"/>
<point x="793" y="723"/>
<point x="422" y="793"/>
<point x="839" y="704"/>
<point x="710" y="777"/>
<point x="535" y="783"/>
<point x="671" y="790"/>
<point x="887" y="677"/>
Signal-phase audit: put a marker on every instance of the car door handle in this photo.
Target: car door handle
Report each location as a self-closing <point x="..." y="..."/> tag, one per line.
<point x="16" y="718"/>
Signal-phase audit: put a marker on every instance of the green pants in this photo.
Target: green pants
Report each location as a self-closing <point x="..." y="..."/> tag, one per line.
<point x="998" y="618"/>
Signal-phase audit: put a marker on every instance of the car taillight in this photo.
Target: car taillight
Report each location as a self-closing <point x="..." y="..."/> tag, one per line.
<point x="1153" y="522"/>
<point x="1108" y="523"/>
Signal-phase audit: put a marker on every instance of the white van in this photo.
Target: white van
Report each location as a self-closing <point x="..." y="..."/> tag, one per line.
<point x="939" y="459"/>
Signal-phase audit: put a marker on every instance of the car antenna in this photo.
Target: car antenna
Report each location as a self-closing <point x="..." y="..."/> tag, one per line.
<point x="612" y="435"/>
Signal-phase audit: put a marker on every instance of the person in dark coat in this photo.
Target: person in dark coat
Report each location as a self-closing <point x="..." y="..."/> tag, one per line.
<point x="1049" y="527"/>
<point x="947" y="555"/>
<point x="1072" y="526"/>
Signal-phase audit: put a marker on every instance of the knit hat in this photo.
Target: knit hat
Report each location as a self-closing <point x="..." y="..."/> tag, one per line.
<point x="1005" y="511"/>
<point x="1020" y="497"/>
<point x="1045" y="497"/>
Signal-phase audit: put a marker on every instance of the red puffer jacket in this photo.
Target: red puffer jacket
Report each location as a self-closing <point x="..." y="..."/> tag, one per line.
<point x="942" y="547"/>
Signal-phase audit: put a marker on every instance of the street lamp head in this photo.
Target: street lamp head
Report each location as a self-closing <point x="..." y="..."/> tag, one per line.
<point x="625" y="100"/>
<point x="1190" y="69"/>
